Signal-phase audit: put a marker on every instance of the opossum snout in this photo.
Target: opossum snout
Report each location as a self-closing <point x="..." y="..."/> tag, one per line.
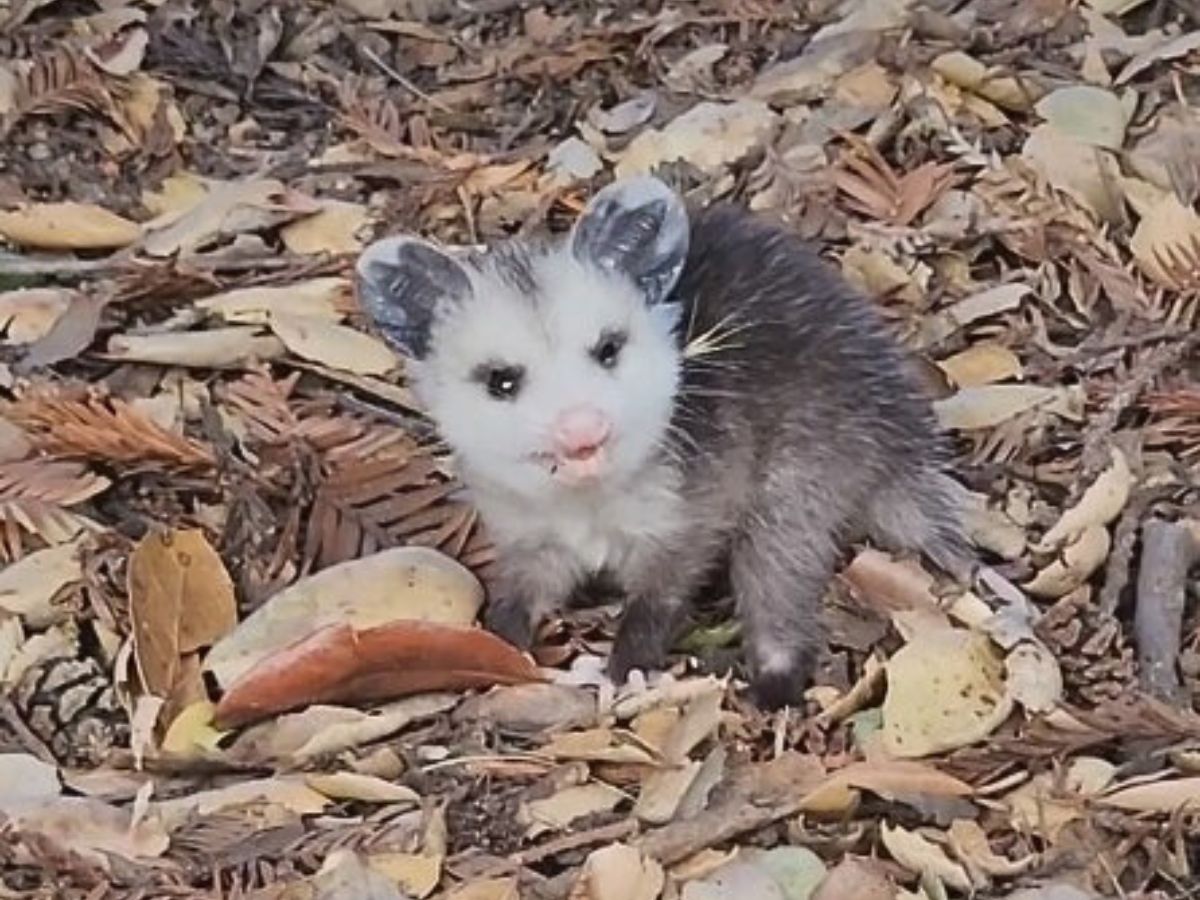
<point x="580" y="433"/>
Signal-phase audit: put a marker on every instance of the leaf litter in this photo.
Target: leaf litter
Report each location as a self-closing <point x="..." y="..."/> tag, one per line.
<point x="239" y="650"/>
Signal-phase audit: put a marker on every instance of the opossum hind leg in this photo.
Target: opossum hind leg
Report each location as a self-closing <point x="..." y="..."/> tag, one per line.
<point x="923" y="514"/>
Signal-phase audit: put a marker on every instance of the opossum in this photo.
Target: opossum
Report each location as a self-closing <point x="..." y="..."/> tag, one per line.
<point x="661" y="394"/>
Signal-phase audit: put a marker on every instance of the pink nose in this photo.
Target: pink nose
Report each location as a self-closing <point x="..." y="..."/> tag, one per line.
<point x="578" y="433"/>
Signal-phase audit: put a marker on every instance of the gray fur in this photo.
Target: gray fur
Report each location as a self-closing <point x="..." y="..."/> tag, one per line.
<point x="800" y="428"/>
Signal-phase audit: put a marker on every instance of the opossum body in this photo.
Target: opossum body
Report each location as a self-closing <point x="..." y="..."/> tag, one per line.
<point x="653" y="398"/>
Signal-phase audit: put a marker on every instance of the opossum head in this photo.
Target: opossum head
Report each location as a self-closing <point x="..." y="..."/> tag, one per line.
<point x="546" y="368"/>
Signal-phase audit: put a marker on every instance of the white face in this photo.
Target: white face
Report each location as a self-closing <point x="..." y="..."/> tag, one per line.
<point x="569" y="387"/>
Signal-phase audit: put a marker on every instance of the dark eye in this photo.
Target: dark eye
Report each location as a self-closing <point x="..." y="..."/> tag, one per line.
<point x="503" y="383"/>
<point x="608" y="348"/>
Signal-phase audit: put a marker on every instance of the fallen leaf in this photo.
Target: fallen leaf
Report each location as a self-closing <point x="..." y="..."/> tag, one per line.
<point x="1085" y="172"/>
<point x="29" y="586"/>
<point x="344" y="874"/>
<point x="180" y="599"/>
<point x="969" y="842"/>
<point x="287" y="791"/>
<point x="595" y="745"/>
<point x="1169" y="796"/>
<point x="531" y="708"/>
<point x="356" y="786"/>
<point x="1100" y="504"/>
<point x="993" y="301"/>
<point x="796" y="870"/>
<point x="402" y="583"/>
<point x="67" y="226"/>
<point x="968" y="73"/>
<point x="325" y="730"/>
<point x="919" y="855"/>
<point x="1172" y="49"/>
<point x="735" y="881"/>
<point x="339" y="664"/>
<point x="217" y="348"/>
<point x="809" y="76"/>
<point x="27" y="314"/>
<point x="980" y="364"/>
<point x="488" y="889"/>
<point x="985" y="407"/>
<point x="709" y="136"/>
<point x="333" y="345"/>
<point x="1033" y="677"/>
<point x="1089" y="114"/>
<point x="625" y="116"/>
<point x="945" y="691"/>
<point x="559" y="810"/>
<point x="228" y="208"/>
<point x="335" y="229"/>
<point x="417" y="874"/>
<point x="619" y="872"/>
<point x="1074" y="564"/>
<point x="854" y="879"/>
<point x="192" y="731"/>
<point x="314" y="298"/>
<point x="91" y="829"/>
<point x="25" y="780"/>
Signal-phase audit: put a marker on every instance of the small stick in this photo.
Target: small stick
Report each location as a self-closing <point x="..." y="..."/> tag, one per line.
<point x="1169" y="550"/>
<point x="404" y="82"/>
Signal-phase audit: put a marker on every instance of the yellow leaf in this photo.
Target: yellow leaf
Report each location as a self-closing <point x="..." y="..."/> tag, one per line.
<point x="982" y="364"/>
<point x="67" y="226"/>
<point x="336" y="346"/>
<point x="332" y="230"/>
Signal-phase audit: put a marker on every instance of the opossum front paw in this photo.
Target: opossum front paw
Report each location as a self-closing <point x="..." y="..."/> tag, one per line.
<point x="511" y="620"/>
<point x="643" y="638"/>
<point x="777" y="686"/>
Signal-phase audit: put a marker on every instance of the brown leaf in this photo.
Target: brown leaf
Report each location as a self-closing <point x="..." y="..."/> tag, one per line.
<point x="71" y="334"/>
<point x="180" y="599"/>
<point x="65" y="79"/>
<point x="338" y="664"/>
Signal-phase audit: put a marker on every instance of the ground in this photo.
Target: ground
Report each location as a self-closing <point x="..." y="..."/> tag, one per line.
<point x="198" y="423"/>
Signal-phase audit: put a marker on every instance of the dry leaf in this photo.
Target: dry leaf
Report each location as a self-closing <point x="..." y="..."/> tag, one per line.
<point x="29" y="586"/>
<point x="945" y="691"/>
<point x="969" y="842"/>
<point x="411" y="583"/>
<point x="181" y="599"/>
<point x="417" y="874"/>
<point x="1090" y="115"/>
<point x="1169" y="796"/>
<point x="980" y="364"/>
<point x="356" y="786"/>
<point x="29" y="313"/>
<point x="25" y="780"/>
<point x="857" y="879"/>
<point x="1100" y="504"/>
<point x="709" y="136"/>
<point x="334" y="229"/>
<point x="1166" y="230"/>
<point x="314" y="298"/>
<point x="489" y="889"/>
<point x="228" y="208"/>
<point x="1087" y="173"/>
<point x="67" y="226"/>
<point x="217" y="348"/>
<point x="990" y="405"/>
<point x="619" y="872"/>
<point x="1074" y="564"/>
<point x="339" y="664"/>
<point x="288" y="791"/>
<point x="333" y="345"/>
<point x="919" y="855"/>
<point x="559" y="810"/>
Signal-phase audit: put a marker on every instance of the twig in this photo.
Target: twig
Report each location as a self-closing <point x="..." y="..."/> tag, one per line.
<point x="756" y="797"/>
<point x="404" y="82"/>
<point x="604" y="834"/>
<point x="1169" y="550"/>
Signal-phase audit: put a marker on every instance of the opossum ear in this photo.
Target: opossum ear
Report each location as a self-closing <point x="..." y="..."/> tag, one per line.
<point x="402" y="281"/>
<point x="639" y="227"/>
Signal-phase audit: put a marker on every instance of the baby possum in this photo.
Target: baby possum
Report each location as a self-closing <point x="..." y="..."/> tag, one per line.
<point x="654" y="397"/>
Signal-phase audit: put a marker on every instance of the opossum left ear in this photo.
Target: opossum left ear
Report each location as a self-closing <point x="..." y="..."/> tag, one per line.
<point x="403" y="282"/>
<point x="638" y="227"/>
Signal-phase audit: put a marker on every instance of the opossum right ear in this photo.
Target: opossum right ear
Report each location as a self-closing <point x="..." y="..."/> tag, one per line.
<point x="402" y="281"/>
<point x="639" y="227"/>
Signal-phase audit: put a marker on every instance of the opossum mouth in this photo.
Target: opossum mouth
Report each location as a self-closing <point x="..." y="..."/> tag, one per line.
<point x="571" y="471"/>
